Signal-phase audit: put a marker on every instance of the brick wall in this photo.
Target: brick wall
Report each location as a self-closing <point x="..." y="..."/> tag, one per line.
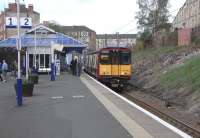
<point x="2" y="26"/>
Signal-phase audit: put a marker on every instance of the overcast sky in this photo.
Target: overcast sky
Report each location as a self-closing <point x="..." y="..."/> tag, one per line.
<point x="103" y="16"/>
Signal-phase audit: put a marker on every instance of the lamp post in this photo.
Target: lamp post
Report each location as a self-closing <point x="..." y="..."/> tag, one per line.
<point x="35" y="51"/>
<point x="19" y="80"/>
<point x="27" y="66"/>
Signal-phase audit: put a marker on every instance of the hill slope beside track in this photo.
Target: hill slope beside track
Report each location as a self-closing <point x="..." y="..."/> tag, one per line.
<point x="171" y="74"/>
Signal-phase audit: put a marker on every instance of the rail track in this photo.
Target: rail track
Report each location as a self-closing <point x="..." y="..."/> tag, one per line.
<point x="195" y="133"/>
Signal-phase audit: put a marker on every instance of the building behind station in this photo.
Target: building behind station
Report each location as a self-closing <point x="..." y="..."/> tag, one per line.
<point x="29" y="15"/>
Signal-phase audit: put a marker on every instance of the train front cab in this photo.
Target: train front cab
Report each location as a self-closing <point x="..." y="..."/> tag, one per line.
<point x="115" y="66"/>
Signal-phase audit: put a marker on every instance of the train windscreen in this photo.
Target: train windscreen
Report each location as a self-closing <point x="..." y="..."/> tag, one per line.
<point x="105" y="58"/>
<point x="125" y="57"/>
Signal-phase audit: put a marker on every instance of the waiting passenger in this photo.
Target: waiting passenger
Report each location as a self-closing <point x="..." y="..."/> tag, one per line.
<point x="1" y="72"/>
<point x="4" y="70"/>
<point x="79" y="68"/>
<point x="75" y="67"/>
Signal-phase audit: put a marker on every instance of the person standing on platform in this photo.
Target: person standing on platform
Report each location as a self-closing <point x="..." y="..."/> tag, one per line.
<point x="71" y="66"/>
<point x="4" y="70"/>
<point x="79" y="67"/>
<point x="75" y="67"/>
<point x="1" y="79"/>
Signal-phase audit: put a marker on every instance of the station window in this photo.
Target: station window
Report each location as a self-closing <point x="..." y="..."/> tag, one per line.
<point x="31" y="60"/>
<point x="41" y="60"/>
<point x="47" y="62"/>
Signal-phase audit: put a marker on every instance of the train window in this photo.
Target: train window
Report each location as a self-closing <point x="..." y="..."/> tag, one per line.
<point x="104" y="57"/>
<point x="125" y="57"/>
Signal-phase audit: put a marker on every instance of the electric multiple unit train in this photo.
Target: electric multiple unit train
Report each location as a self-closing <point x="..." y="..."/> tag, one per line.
<point x="110" y="65"/>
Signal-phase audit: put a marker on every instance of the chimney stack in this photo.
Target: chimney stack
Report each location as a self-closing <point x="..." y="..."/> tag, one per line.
<point x="12" y="7"/>
<point x="30" y="8"/>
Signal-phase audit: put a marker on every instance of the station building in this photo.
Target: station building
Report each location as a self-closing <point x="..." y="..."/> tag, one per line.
<point x="38" y="43"/>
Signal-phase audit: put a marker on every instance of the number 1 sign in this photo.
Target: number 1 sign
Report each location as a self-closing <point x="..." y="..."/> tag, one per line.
<point x="11" y="22"/>
<point x="25" y="22"/>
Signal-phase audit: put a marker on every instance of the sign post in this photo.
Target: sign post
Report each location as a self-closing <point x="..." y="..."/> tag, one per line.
<point x="19" y="80"/>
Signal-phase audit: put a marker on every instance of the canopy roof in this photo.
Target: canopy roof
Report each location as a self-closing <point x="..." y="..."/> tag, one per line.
<point x="43" y="36"/>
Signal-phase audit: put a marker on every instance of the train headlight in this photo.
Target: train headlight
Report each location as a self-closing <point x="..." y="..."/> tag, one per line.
<point x="123" y="73"/>
<point x="104" y="73"/>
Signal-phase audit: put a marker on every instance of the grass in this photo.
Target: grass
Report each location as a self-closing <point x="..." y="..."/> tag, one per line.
<point x="186" y="75"/>
<point x="152" y="52"/>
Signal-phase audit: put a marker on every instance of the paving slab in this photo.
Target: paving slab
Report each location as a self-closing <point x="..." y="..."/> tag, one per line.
<point x="62" y="109"/>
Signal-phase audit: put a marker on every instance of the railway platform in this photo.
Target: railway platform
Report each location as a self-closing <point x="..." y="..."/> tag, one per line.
<point x="73" y="107"/>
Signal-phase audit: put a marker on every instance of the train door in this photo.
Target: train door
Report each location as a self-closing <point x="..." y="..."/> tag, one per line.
<point x="115" y="59"/>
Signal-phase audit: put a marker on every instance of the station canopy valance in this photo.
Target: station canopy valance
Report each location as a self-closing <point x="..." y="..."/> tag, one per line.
<point x="43" y="36"/>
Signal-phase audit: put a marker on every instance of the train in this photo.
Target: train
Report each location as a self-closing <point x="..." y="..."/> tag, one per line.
<point x="111" y="65"/>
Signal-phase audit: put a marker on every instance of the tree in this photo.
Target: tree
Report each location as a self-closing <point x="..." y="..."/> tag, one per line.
<point x="162" y="14"/>
<point x="152" y="14"/>
<point x="56" y="27"/>
<point x="142" y="14"/>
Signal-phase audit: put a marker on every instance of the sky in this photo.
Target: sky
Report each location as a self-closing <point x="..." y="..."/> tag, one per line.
<point x="103" y="16"/>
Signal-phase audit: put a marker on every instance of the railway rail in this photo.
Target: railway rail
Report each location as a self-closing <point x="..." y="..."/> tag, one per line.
<point x="168" y="118"/>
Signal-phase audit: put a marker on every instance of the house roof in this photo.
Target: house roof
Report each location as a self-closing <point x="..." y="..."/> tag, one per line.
<point x="76" y="28"/>
<point x="114" y="36"/>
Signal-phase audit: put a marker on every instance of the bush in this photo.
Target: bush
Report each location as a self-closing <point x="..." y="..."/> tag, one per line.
<point x="33" y="78"/>
<point x="27" y="88"/>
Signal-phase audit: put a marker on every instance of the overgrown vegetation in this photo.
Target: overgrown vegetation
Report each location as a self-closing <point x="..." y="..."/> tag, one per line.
<point x="149" y="53"/>
<point x="186" y="75"/>
<point x="171" y="74"/>
<point x="56" y="27"/>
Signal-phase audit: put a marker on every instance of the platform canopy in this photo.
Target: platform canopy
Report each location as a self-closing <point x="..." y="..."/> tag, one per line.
<point x="43" y="36"/>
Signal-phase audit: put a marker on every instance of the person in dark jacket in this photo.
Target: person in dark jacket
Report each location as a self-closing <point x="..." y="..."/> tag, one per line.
<point x="1" y="72"/>
<point x="79" y="67"/>
<point x="75" y="67"/>
<point x="72" y="67"/>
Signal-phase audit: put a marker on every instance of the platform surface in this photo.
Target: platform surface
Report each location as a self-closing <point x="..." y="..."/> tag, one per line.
<point x="73" y="107"/>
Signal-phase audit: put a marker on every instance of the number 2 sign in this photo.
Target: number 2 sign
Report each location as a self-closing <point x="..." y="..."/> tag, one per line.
<point x="25" y="22"/>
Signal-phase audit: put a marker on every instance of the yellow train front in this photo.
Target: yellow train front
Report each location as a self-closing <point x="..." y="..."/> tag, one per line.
<point x="110" y="65"/>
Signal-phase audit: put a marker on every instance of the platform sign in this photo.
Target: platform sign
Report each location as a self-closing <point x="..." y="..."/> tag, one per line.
<point x="11" y="22"/>
<point x="25" y="22"/>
